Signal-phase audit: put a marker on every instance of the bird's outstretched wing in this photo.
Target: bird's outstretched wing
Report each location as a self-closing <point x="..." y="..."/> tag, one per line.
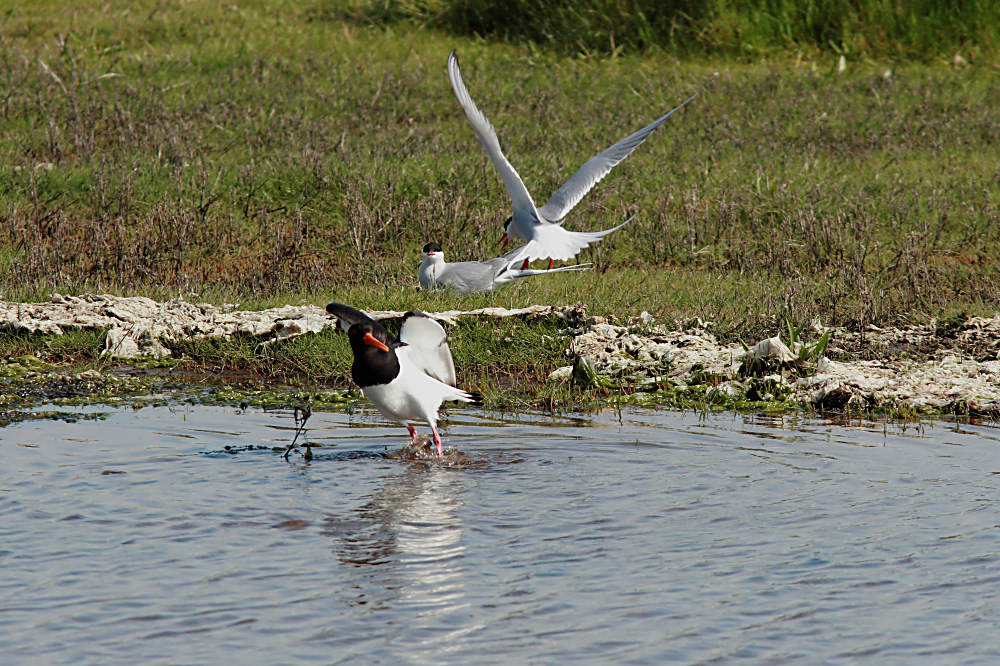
<point x="598" y="167"/>
<point x="430" y="344"/>
<point x="348" y="316"/>
<point x="487" y="138"/>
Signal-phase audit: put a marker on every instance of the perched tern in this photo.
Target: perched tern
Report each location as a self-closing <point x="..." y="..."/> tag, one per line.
<point x="406" y="379"/>
<point x="473" y="276"/>
<point x="540" y="228"/>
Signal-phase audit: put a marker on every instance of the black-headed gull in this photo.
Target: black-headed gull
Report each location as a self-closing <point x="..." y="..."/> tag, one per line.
<point x="474" y="276"/>
<point x="539" y="227"/>
<point x="406" y="379"/>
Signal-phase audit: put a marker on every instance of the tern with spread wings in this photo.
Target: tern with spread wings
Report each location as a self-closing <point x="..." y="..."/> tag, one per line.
<point x="541" y="228"/>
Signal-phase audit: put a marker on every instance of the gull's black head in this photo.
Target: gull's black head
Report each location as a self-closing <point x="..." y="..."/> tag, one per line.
<point x="367" y="337"/>
<point x="432" y="247"/>
<point x="506" y="224"/>
<point x="375" y="359"/>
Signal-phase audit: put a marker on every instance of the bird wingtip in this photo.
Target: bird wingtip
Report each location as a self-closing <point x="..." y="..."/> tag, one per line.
<point x="346" y="315"/>
<point x="334" y="307"/>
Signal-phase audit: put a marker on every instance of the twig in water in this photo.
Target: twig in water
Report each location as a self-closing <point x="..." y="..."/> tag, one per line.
<point x="302" y="415"/>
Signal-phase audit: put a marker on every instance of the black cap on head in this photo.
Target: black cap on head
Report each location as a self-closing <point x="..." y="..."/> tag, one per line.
<point x="432" y="247"/>
<point x="507" y="222"/>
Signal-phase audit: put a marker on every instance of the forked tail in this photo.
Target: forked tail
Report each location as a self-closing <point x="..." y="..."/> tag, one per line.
<point x="528" y="272"/>
<point x="552" y="241"/>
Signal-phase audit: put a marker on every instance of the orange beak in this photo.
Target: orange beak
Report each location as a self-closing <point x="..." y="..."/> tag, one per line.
<point x="372" y="341"/>
<point x="503" y="241"/>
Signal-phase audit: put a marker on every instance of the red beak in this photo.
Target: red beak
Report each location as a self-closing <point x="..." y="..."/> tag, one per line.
<point x="503" y="241"/>
<point x="372" y="341"/>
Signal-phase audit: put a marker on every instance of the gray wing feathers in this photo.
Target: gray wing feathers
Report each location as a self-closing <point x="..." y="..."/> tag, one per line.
<point x="468" y="277"/>
<point x="487" y="138"/>
<point x="471" y="276"/>
<point x="597" y="168"/>
<point x="430" y="342"/>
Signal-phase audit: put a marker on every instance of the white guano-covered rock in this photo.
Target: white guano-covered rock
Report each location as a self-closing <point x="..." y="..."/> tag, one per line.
<point x="137" y="326"/>
<point x="643" y="353"/>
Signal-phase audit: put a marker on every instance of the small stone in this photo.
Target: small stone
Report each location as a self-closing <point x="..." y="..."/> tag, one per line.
<point x="772" y="348"/>
<point x="730" y="389"/>
<point x="120" y="344"/>
<point x="154" y="348"/>
<point x="561" y="374"/>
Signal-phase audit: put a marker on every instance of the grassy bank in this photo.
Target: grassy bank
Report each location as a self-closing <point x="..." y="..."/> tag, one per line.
<point x="507" y="359"/>
<point x="920" y="29"/>
<point x="278" y="152"/>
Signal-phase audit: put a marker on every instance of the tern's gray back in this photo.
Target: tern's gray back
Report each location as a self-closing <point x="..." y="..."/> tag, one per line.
<point x="472" y="276"/>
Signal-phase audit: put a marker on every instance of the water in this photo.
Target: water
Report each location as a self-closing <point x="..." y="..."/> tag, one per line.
<point x="649" y="538"/>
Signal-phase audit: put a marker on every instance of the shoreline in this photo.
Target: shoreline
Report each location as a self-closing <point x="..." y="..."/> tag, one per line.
<point x="916" y="370"/>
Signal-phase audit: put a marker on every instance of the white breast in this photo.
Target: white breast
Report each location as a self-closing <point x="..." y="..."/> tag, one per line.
<point x="412" y="395"/>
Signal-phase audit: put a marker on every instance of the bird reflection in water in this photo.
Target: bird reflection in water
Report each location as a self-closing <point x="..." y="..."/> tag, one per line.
<point x="410" y="534"/>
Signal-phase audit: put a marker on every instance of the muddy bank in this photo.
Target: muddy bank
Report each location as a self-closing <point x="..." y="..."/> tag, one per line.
<point x="918" y="369"/>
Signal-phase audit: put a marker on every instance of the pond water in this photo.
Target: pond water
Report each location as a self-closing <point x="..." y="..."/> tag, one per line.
<point x="637" y="537"/>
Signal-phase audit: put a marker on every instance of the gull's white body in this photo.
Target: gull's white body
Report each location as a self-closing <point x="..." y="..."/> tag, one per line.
<point x="477" y="276"/>
<point x="406" y="379"/>
<point x="414" y="395"/>
<point x="539" y="227"/>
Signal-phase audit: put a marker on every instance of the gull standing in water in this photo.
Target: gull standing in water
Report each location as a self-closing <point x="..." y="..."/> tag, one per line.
<point x="406" y="379"/>
<point x="540" y="228"/>
<point x="467" y="277"/>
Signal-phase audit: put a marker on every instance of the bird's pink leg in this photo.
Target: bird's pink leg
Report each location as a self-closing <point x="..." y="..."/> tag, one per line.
<point x="550" y="264"/>
<point x="413" y="433"/>
<point x="437" y="440"/>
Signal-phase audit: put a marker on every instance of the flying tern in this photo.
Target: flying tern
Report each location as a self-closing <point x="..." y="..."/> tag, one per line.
<point x="406" y="379"/>
<point x="474" y="276"/>
<point x="540" y="228"/>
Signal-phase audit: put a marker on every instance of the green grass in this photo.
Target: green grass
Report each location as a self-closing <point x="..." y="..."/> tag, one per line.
<point x="74" y="347"/>
<point x="920" y="29"/>
<point x="265" y="153"/>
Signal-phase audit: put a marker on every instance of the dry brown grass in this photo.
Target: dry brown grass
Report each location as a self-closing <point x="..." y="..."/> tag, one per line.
<point x="262" y="157"/>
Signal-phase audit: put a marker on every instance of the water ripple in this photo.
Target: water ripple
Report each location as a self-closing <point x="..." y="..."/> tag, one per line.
<point x="635" y="537"/>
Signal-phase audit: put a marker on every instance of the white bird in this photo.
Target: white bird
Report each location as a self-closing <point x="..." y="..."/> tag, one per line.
<point x="540" y="227"/>
<point x="474" y="276"/>
<point x="406" y="379"/>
